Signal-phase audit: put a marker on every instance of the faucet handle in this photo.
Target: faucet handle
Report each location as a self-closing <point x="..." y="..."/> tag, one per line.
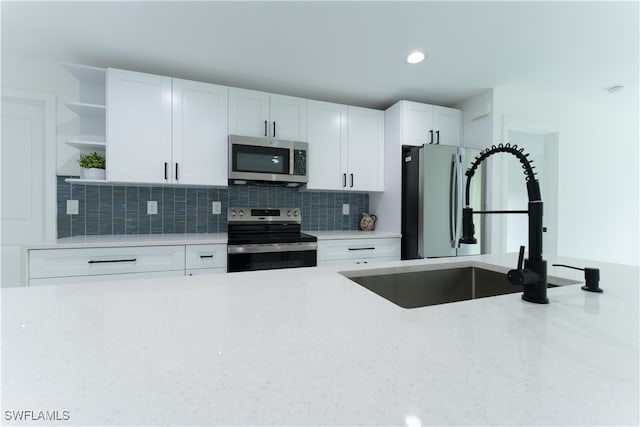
<point x="520" y="258"/>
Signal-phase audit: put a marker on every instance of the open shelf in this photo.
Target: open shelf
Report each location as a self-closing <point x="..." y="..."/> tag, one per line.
<point x="85" y="73"/>
<point x="87" y="145"/>
<point x="87" y="110"/>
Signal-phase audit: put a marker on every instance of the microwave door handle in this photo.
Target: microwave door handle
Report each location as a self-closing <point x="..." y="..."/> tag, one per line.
<point x="291" y="157"/>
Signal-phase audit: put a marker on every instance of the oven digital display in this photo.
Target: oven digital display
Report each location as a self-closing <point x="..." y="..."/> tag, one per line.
<point x="265" y="212"/>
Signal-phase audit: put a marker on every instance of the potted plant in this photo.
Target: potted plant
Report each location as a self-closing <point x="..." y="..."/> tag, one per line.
<point x="91" y="166"/>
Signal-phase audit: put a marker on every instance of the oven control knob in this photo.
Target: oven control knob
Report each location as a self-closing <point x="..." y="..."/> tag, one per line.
<point x="233" y="212"/>
<point x="289" y="213"/>
<point x="240" y="212"/>
<point x="295" y="212"/>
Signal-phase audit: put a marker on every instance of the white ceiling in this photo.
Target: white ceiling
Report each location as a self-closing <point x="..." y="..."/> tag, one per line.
<point x="347" y="52"/>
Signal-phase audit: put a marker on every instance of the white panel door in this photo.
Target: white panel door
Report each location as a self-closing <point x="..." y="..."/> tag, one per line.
<point x="327" y="140"/>
<point x="366" y="150"/>
<point x="200" y="133"/>
<point x="288" y="116"/>
<point x="447" y="123"/>
<point x="417" y="123"/>
<point x="248" y="112"/>
<point x="27" y="181"/>
<point x="138" y="127"/>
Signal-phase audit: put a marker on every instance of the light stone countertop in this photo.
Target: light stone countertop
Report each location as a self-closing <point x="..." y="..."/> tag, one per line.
<point x="310" y="347"/>
<point x="132" y="240"/>
<point x="352" y="234"/>
<point x="183" y="239"/>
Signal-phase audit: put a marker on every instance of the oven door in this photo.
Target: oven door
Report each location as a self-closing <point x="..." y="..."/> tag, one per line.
<point x="271" y="256"/>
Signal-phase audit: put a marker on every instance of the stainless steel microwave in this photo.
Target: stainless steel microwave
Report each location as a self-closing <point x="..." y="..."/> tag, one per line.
<point x="267" y="160"/>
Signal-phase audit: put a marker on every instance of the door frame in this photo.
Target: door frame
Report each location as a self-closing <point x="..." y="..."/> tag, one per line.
<point x="48" y="101"/>
<point x="518" y="124"/>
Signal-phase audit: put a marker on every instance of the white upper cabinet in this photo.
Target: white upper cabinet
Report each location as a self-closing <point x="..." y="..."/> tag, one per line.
<point x="327" y="145"/>
<point x="365" y="157"/>
<point x="447" y="123"/>
<point x="162" y="130"/>
<point x="417" y="123"/>
<point x="138" y="127"/>
<point x="288" y="117"/>
<point x="199" y="133"/>
<point x="429" y="124"/>
<point x="260" y="114"/>
<point x="346" y="147"/>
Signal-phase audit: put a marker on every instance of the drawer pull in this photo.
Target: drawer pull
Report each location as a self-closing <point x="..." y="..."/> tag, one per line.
<point x="206" y="256"/>
<point x="361" y="249"/>
<point x="111" y="260"/>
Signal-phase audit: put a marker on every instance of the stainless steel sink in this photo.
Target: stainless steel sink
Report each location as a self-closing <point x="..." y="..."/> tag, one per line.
<point x="411" y="289"/>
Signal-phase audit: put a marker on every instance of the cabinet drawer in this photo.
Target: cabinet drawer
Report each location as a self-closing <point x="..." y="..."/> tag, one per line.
<point x="358" y="249"/>
<point x="206" y="256"/>
<point x="96" y="261"/>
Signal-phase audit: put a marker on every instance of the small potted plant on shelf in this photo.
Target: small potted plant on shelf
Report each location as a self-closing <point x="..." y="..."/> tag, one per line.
<point x="92" y="166"/>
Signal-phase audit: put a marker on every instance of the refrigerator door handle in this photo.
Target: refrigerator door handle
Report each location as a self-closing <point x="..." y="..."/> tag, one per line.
<point x="453" y="183"/>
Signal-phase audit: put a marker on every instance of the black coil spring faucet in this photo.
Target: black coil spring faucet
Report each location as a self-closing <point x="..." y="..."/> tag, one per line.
<point x="533" y="274"/>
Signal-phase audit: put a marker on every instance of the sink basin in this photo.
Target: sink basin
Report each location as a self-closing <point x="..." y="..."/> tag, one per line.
<point x="412" y="289"/>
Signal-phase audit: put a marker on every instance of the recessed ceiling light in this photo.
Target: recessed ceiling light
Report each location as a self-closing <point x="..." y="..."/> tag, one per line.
<point x="615" y="88"/>
<point x="415" y="57"/>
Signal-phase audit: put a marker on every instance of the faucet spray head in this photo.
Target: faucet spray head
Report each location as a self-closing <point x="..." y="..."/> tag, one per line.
<point x="468" y="229"/>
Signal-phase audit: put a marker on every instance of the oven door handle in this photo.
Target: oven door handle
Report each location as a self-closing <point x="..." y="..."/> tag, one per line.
<point x="271" y="247"/>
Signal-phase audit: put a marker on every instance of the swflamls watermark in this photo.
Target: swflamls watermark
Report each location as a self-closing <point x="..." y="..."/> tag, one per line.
<point x="30" y="415"/>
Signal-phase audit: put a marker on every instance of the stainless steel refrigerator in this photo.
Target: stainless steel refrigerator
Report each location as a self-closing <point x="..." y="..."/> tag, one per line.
<point x="433" y="185"/>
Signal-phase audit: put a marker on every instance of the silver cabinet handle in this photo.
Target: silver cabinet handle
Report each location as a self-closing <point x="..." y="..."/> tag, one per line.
<point x="274" y="129"/>
<point x="351" y="180"/>
<point x="265" y="128"/>
<point x="362" y="249"/>
<point x="206" y="256"/>
<point x="344" y="179"/>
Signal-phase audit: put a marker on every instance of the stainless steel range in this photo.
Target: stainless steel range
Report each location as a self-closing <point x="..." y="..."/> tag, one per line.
<point x="268" y="238"/>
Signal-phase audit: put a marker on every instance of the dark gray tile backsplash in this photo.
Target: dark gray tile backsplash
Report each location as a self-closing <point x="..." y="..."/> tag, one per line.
<point x="112" y="210"/>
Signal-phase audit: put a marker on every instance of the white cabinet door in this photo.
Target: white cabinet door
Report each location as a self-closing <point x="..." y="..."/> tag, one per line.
<point x="288" y="117"/>
<point x="200" y="133"/>
<point x="248" y="112"/>
<point x="447" y="123"/>
<point x="259" y="114"/>
<point x="366" y="149"/>
<point x="327" y="146"/>
<point x="417" y="123"/>
<point x="138" y="127"/>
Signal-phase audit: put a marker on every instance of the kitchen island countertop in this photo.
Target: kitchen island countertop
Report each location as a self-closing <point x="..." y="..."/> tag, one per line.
<point x="310" y="347"/>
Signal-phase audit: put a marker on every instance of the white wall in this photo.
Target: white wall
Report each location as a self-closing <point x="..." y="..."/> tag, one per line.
<point x="49" y="77"/>
<point x="598" y="176"/>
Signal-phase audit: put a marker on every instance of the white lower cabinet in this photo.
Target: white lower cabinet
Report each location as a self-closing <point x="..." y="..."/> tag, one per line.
<point x="358" y="251"/>
<point x="206" y="259"/>
<point x="59" y="266"/>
